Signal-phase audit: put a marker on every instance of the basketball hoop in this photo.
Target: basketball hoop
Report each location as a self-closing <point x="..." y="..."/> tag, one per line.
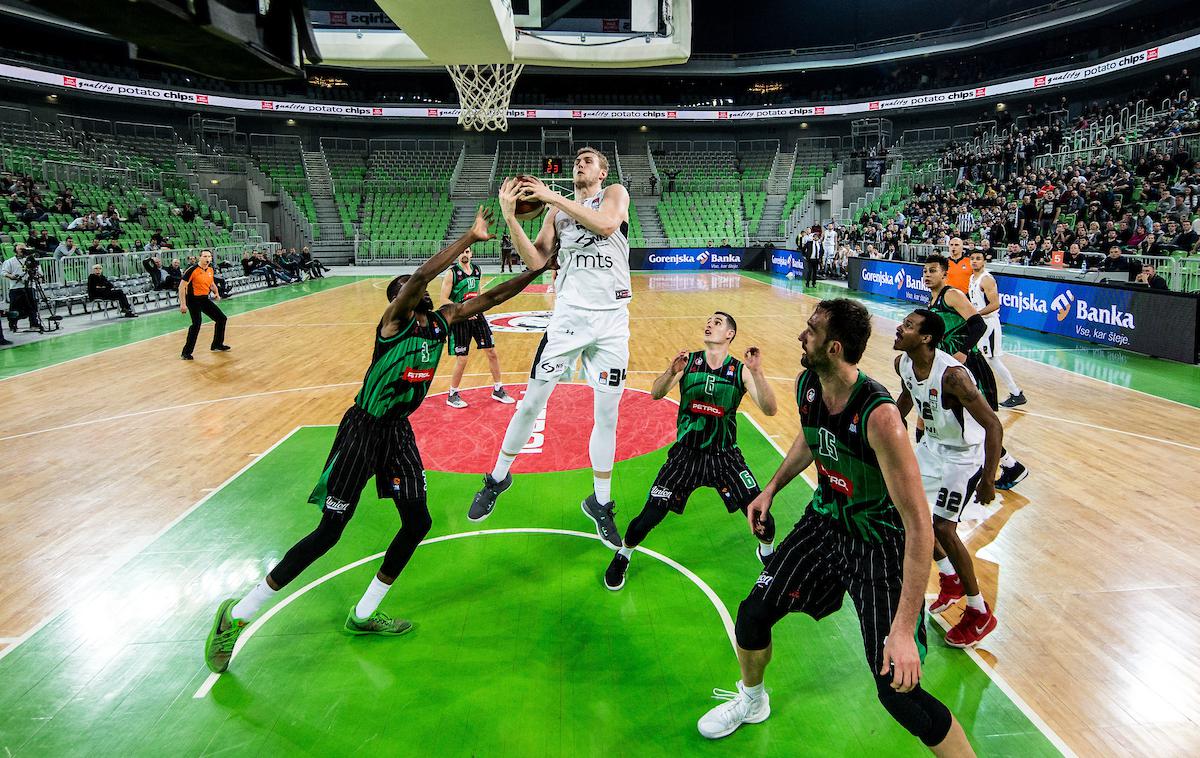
<point x="484" y="92"/>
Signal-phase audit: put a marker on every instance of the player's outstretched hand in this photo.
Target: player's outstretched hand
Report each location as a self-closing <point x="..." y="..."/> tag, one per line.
<point x="679" y="362"/>
<point x="901" y="659"/>
<point x="756" y="514"/>
<point x="753" y="359"/>
<point x="483" y="219"/>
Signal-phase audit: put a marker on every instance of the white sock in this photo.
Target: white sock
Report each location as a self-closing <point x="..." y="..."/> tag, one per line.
<point x="453" y="390"/>
<point x="1000" y="370"/>
<point x="603" y="489"/>
<point x="1007" y="461"/>
<point x="248" y="607"/>
<point x="371" y="598"/>
<point x="754" y="692"/>
<point x="504" y="462"/>
<point x="497" y="387"/>
<point x="976" y="602"/>
<point x="945" y="566"/>
<point x="766" y="548"/>
<point x="626" y="551"/>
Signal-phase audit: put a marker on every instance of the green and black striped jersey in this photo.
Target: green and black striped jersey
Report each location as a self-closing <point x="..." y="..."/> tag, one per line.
<point x="466" y="283"/>
<point x="708" y="403"/>
<point x="402" y="368"/>
<point x="850" y="487"/>
<point x="956" y="325"/>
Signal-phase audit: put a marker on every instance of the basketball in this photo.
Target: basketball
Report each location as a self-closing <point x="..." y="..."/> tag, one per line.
<point x="527" y="210"/>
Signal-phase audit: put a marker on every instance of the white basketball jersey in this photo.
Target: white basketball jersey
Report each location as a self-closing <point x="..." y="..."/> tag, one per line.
<point x="953" y="428"/>
<point x="593" y="270"/>
<point x="978" y="298"/>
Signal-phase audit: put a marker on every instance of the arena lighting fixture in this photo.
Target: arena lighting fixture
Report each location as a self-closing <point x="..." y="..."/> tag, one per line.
<point x="214" y="181"/>
<point x="291" y="122"/>
<point x="1000" y="106"/>
<point x="803" y="124"/>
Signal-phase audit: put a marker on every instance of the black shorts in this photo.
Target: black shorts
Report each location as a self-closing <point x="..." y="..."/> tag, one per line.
<point x="818" y="563"/>
<point x="688" y="469"/>
<point x="979" y="368"/>
<point x="366" y="446"/>
<point x="476" y="328"/>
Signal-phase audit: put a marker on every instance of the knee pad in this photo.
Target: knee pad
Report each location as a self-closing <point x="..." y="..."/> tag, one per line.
<point x="923" y="715"/>
<point x="414" y="516"/>
<point x="651" y="516"/>
<point x="753" y="626"/>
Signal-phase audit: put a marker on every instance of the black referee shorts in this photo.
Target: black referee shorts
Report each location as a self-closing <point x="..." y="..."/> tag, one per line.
<point x="688" y="469"/>
<point x="818" y="563"/>
<point x="475" y="328"/>
<point x="979" y="368"/>
<point x="364" y="447"/>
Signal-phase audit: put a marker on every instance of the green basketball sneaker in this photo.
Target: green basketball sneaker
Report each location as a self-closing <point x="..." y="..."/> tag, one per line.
<point x="218" y="649"/>
<point x="377" y="623"/>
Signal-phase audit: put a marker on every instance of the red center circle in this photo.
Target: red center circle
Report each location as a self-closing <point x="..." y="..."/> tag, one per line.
<point x="466" y="440"/>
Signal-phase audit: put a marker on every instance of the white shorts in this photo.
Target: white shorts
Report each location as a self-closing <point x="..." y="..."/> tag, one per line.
<point x="990" y="345"/>
<point x="949" y="476"/>
<point x="600" y="337"/>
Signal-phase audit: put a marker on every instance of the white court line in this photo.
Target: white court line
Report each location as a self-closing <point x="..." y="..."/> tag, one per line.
<point x="990" y="672"/>
<point x="1004" y="687"/>
<point x="38" y="626"/>
<point x="1106" y="429"/>
<point x="1021" y="357"/>
<point x="168" y="408"/>
<point x="250" y="630"/>
<point x="1022" y="351"/>
<point x="165" y="334"/>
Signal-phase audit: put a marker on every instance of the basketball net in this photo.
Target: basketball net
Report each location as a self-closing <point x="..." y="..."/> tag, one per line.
<point x="484" y="92"/>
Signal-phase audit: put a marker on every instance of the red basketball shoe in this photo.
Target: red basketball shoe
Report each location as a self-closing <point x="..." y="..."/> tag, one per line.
<point x="975" y="625"/>
<point x="951" y="591"/>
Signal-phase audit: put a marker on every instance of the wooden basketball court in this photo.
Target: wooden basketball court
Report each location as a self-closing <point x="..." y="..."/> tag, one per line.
<point x="1090" y="561"/>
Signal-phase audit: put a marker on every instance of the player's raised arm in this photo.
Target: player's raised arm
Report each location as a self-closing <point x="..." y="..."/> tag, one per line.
<point x="669" y="378"/>
<point x="898" y="464"/>
<point x="494" y="296"/>
<point x="957" y="381"/>
<point x="535" y="254"/>
<point x="605" y="221"/>
<point x="756" y="382"/>
<point x="415" y="286"/>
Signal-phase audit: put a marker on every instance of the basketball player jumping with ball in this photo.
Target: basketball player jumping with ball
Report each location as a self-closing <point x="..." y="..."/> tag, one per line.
<point x="590" y="319"/>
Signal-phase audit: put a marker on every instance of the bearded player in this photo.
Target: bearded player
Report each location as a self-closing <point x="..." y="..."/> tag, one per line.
<point x="705" y="454"/>
<point x="376" y="439"/>
<point x="590" y="320"/>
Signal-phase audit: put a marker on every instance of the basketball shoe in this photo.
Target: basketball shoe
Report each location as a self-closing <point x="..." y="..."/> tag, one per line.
<point x="951" y="591"/>
<point x="602" y="516"/>
<point x="974" y="626"/>
<point x="614" y="576"/>
<point x="377" y="623"/>
<point x="218" y="648"/>
<point x="485" y="499"/>
<point x="740" y="709"/>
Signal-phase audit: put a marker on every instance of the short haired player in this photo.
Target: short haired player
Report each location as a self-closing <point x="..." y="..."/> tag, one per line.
<point x="866" y="533"/>
<point x="985" y="296"/>
<point x="958" y="456"/>
<point x="712" y="384"/>
<point x="964" y="328"/>
<point x="460" y="284"/>
<point x="590" y="320"/>
<point x="376" y="439"/>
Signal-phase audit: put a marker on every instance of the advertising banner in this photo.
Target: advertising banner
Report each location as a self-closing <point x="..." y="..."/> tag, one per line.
<point x="694" y="258"/>
<point x="1152" y="322"/>
<point x="874" y="105"/>
<point x="789" y="263"/>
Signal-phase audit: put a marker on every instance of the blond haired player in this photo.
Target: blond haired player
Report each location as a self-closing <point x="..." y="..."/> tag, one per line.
<point x="590" y="320"/>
